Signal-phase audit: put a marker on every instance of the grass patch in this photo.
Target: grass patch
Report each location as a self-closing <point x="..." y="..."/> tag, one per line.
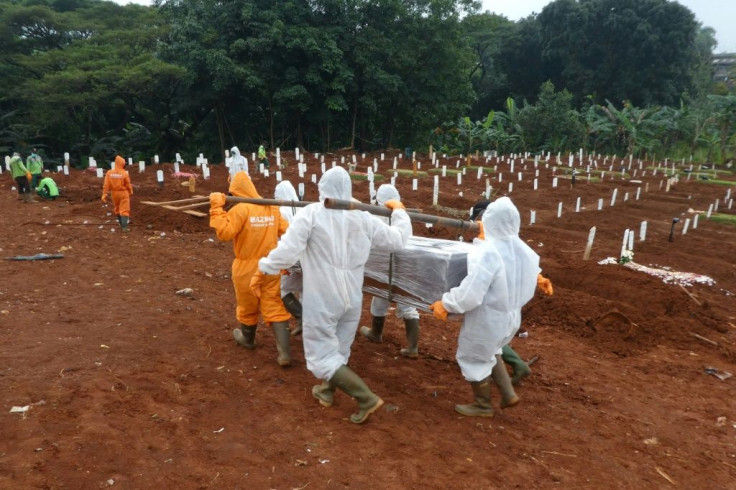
<point x="408" y="173"/>
<point x="717" y="182"/>
<point x="729" y="219"/>
<point x="362" y="176"/>
<point x="474" y="168"/>
<point x="450" y="171"/>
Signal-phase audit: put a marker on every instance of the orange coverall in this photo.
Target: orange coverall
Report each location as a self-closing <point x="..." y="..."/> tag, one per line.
<point x="255" y="231"/>
<point x="117" y="182"/>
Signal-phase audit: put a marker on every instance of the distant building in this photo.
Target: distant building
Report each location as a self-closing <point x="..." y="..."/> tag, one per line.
<point x="724" y="65"/>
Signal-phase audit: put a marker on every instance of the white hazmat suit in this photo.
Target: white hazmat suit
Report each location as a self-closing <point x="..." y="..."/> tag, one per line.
<point x="238" y="163"/>
<point x="483" y="298"/>
<point x="501" y="223"/>
<point x="291" y="283"/>
<point x="333" y="247"/>
<point x="379" y="306"/>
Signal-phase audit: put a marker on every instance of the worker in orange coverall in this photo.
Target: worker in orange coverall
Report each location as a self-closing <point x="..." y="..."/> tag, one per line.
<point x="255" y="231"/>
<point x="117" y="183"/>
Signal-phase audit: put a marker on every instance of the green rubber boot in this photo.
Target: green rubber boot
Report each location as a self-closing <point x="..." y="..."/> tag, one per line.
<point x="375" y="333"/>
<point x="349" y="382"/>
<point x="412" y="338"/>
<point x="518" y="366"/>
<point x="324" y="393"/>
<point x="246" y="336"/>
<point x="482" y="406"/>
<point x="501" y="378"/>
<point x="124" y="223"/>
<point x="282" y="334"/>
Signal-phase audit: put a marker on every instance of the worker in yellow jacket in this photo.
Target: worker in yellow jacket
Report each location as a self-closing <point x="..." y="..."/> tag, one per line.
<point x="254" y="231"/>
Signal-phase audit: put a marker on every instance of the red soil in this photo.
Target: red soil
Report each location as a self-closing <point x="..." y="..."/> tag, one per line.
<point x="132" y="385"/>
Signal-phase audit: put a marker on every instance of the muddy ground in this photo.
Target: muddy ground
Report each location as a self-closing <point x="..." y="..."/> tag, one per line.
<point x="133" y="386"/>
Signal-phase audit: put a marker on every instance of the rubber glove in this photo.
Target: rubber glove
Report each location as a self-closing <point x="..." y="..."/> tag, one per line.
<point x="256" y="281"/>
<point x="217" y="200"/>
<point x="482" y="234"/>
<point x="545" y="285"/>
<point x="104" y="198"/>
<point x="439" y="311"/>
<point x="28" y="176"/>
<point x="394" y="204"/>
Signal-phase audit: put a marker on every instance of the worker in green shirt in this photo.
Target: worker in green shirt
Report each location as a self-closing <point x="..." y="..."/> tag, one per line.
<point x="262" y="154"/>
<point x="47" y="189"/>
<point x="34" y="164"/>
<point x="22" y="177"/>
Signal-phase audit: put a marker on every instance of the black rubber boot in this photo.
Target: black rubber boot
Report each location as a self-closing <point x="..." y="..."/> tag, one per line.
<point x="324" y="393"/>
<point x="482" y="406"/>
<point x="501" y="378"/>
<point x="375" y="333"/>
<point x="281" y="332"/>
<point x="412" y="338"/>
<point x="294" y="306"/>
<point x="349" y="382"/>
<point x="518" y="366"/>
<point x="246" y="336"/>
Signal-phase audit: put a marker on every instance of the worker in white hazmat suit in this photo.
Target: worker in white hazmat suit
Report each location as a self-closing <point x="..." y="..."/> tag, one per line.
<point x="238" y="163"/>
<point x="333" y="247"/>
<point x="291" y="283"/>
<point x="501" y="224"/>
<point x="379" y="306"/>
<point x="483" y="299"/>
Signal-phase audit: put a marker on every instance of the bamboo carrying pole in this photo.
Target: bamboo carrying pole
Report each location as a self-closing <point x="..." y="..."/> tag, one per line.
<point x="357" y="206"/>
<point x="418" y="217"/>
<point x="336" y="204"/>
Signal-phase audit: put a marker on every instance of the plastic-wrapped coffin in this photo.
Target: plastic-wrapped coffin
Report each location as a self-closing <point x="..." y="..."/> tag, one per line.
<point x="420" y="273"/>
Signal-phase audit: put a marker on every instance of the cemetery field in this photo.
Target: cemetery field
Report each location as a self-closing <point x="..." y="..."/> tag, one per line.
<point x="123" y="382"/>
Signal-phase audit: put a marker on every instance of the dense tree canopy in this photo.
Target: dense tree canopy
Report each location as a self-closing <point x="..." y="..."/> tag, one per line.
<point x="198" y="76"/>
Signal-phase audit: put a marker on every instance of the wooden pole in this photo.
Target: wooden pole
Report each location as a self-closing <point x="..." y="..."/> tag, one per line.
<point x="418" y="217"/>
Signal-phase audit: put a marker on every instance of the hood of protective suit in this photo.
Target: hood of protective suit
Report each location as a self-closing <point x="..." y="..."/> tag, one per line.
<point x="119" y="163"/>
<point x="285" y="191"/>
<point x="387" y="192"/>
<point x="501" y="219"/>
<point x="16" y="159"/>
<point x="242" y="186"/>
<point x="335" y="184"/>
<point x="234" y="151"/>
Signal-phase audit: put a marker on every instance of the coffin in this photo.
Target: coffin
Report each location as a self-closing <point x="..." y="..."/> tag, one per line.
<point x="420" y="274"/>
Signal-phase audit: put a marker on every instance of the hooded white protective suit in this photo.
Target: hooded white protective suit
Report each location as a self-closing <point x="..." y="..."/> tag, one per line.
<point x="285" y="192"/>
<point x="483" y="297"/>
<point x="379" y="306"/>
<point x="238" y="163"/>
<point x="291" y="283"/>
<point x="333" y="246"/>
<point x="501" y="222"/>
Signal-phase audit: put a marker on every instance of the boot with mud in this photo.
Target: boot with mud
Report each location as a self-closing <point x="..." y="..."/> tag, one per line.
<point x="519" y="368"/>
<point x="324" y="393"/>
<point x="281" y="332"/>
<point x="293" y="306"/>
<point x="482" y="406"/>
<point x="412" y="338"/>
<point x="124" y="224"/>
<point x="246" y="336"/>
<point x="375" y="333"/>
<point x="503" y="381"/>
<point x="349" y="382"/>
